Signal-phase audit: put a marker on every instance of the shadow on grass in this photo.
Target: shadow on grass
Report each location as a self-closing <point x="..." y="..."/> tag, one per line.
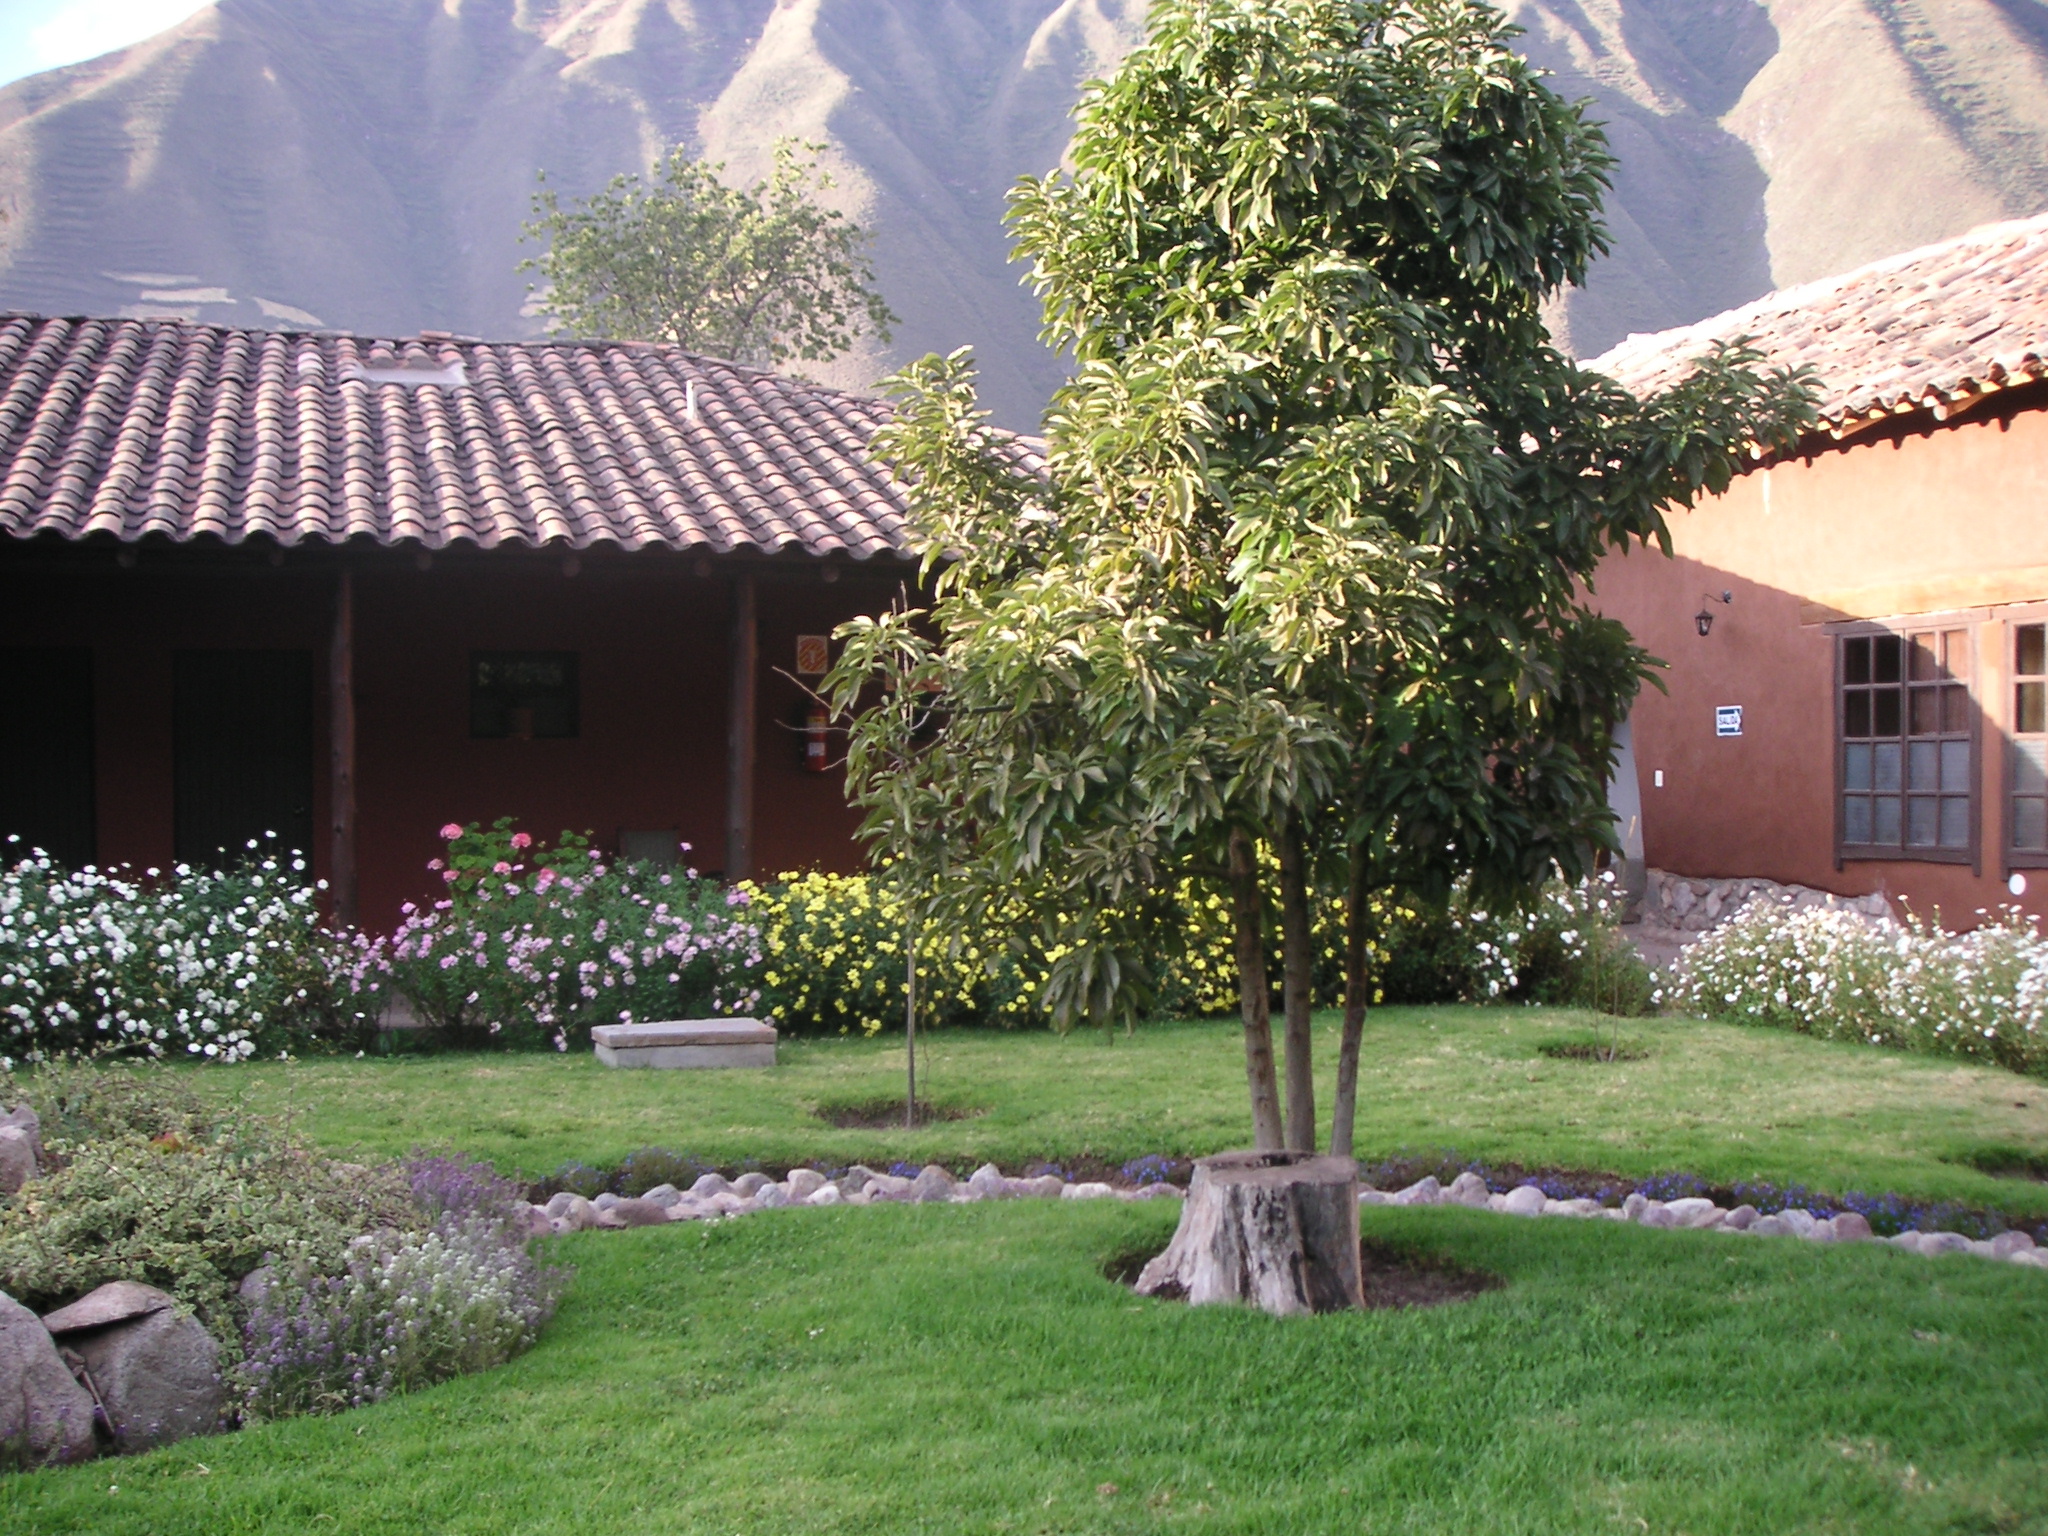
<point x="1395" y="1275"/>
<point x="887" y="1114"/>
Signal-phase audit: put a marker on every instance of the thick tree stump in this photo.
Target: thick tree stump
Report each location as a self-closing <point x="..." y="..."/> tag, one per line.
<point x="1276" y="1230"/>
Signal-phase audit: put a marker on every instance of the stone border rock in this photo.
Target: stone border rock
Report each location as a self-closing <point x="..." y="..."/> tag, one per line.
<point x="715" y="1197"/>
<point x="1697" y="1213"/>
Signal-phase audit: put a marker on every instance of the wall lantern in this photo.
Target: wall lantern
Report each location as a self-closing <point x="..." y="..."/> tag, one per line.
<point x="1704" y="619"/>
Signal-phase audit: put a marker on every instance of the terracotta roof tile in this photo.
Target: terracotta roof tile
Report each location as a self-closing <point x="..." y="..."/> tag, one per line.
<point x="1925" y="330"/>
<point x="136" y="427"/>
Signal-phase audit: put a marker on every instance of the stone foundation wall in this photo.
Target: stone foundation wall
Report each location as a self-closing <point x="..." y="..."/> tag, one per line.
<point x="1690" y="905"/>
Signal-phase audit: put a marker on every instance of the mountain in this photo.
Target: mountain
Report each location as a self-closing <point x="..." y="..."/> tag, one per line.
<point x="366" y="164"/>
<point x="1763" y="145"/>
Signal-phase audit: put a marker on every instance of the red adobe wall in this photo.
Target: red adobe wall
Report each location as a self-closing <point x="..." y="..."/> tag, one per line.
<point x="1927" y="508"/>
<point x="651" y="752"/>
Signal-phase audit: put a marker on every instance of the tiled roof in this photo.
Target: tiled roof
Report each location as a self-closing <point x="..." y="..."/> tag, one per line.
<point x="136" y="428"/>
<point x="1930" y="330"/>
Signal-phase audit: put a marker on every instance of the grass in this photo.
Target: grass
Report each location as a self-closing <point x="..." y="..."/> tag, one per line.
<point x="968" y="1370"/>
<point x="1725" y="1102"/>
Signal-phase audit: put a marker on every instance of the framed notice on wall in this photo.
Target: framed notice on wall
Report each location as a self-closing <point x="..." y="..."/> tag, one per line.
<point x="1727" y="719"/>
<point x="813" y="655"/>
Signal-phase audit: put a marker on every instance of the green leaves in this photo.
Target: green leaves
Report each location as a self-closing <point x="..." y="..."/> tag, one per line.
<point x="762" y="275"/>
<point x="1318" y="509"/>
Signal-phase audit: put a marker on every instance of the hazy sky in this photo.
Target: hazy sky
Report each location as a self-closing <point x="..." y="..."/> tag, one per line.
<point x="41" y="34"/>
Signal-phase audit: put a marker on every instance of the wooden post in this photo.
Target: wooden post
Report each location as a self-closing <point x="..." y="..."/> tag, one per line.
<point x="910" y="1017"/>
<point x="739" y="759"/>
<point x="341" y="735"/>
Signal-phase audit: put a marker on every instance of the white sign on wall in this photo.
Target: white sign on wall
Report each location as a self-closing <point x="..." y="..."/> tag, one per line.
<point x="1727" y="719"/>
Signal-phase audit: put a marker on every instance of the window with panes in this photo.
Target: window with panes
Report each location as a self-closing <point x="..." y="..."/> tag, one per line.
<point x="1907" y="745"/>
<point x="2027" y="765"/>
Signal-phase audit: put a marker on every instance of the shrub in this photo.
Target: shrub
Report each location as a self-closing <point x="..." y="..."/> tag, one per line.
<point x="142" y="1187"/>
<point x="650" y="1167"/>
<point x="404" y="1311"/>
<point x="1822" y="971"/>
<point x="534" y="945"/>
<point x="215" y="966"/>
<point x="833" y="960"/>
<point x="1569" y="952"/>
<point x="834" y="956"/>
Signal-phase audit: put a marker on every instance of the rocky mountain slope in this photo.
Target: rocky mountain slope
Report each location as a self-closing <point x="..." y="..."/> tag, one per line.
<point x="367" y="165"/>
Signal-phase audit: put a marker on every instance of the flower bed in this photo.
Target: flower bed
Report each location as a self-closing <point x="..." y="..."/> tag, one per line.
<point x="323" y="1284"/>
<point x="534" y="945"/>
<point x="835" y="963"/>
<point x="214" y="966"/>
<point x="530" y="946"/>
<point x="1981" y="995"/>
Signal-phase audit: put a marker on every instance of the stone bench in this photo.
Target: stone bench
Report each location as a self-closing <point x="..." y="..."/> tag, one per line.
<point x="686" y="1043"/>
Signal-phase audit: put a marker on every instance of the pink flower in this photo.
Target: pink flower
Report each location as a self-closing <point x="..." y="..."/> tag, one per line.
<point x="544" y="880"/>
<point x="521" y="840"/>
<point x="501" y="868"/>
<point x="436" y="864"/>
<point x="448" y="875"/>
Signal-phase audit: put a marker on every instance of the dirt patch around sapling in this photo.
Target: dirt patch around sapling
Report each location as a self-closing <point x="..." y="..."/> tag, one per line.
<point x="1393" y="1276"/>
<point x="1593" y="1050"/>
<point x="1397" y="1277"/>
<point x="887" y="1114"/>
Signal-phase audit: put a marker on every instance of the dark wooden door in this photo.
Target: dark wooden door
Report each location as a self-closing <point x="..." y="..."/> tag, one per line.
<point x="244" y="752"/>
<point x="46" y="758"/>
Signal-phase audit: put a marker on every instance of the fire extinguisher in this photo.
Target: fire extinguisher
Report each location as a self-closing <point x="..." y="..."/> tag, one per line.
<point x="816" y="725"/>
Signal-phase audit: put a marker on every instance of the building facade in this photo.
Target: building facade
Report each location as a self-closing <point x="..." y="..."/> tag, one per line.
<point x="1856" y="695"/>
<point x="347" y="590"/>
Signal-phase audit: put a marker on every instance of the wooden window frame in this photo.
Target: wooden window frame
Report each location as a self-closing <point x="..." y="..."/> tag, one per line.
<point x="2010" y="624"/>
<point x="1906" y="631"/>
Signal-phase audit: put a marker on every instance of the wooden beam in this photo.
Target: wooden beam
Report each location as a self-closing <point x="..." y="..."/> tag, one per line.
<point x="341" y="735"/>
<point x="739" y="758"/>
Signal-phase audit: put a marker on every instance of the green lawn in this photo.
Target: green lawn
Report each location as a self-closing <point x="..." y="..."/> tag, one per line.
<point x="967" y="1369"/>
<point x="1724" y="1102"/>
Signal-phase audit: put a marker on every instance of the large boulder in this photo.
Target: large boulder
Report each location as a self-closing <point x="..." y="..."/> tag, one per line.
<point x="25" y="1120"/>
<point x="21" y="1148"/>
<point x="155" y="1368"/>
<point x="17" y="1159"/>
<point x="45" y="1415"/>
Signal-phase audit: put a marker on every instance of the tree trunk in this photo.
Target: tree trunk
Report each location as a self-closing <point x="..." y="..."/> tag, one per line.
<point x="1274" y="1230"/>
<point x="1254" y="996"/>
<point x="1344" y="1118"/>
<point x="910" y="1019"/>
<point x="1297" y="984"/>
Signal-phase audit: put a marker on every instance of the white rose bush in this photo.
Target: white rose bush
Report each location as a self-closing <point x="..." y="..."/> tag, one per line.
<point x="198" y="964"/>
<point x="1981" y="995"/>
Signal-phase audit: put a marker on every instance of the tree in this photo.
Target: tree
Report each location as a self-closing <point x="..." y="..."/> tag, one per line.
<point x="762" y="275"/>
<point x="1303" y="575"/>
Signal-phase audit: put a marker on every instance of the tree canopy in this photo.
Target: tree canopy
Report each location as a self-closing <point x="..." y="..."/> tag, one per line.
<point x="762" y="275"/>
<point x="1303" y="578"/>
